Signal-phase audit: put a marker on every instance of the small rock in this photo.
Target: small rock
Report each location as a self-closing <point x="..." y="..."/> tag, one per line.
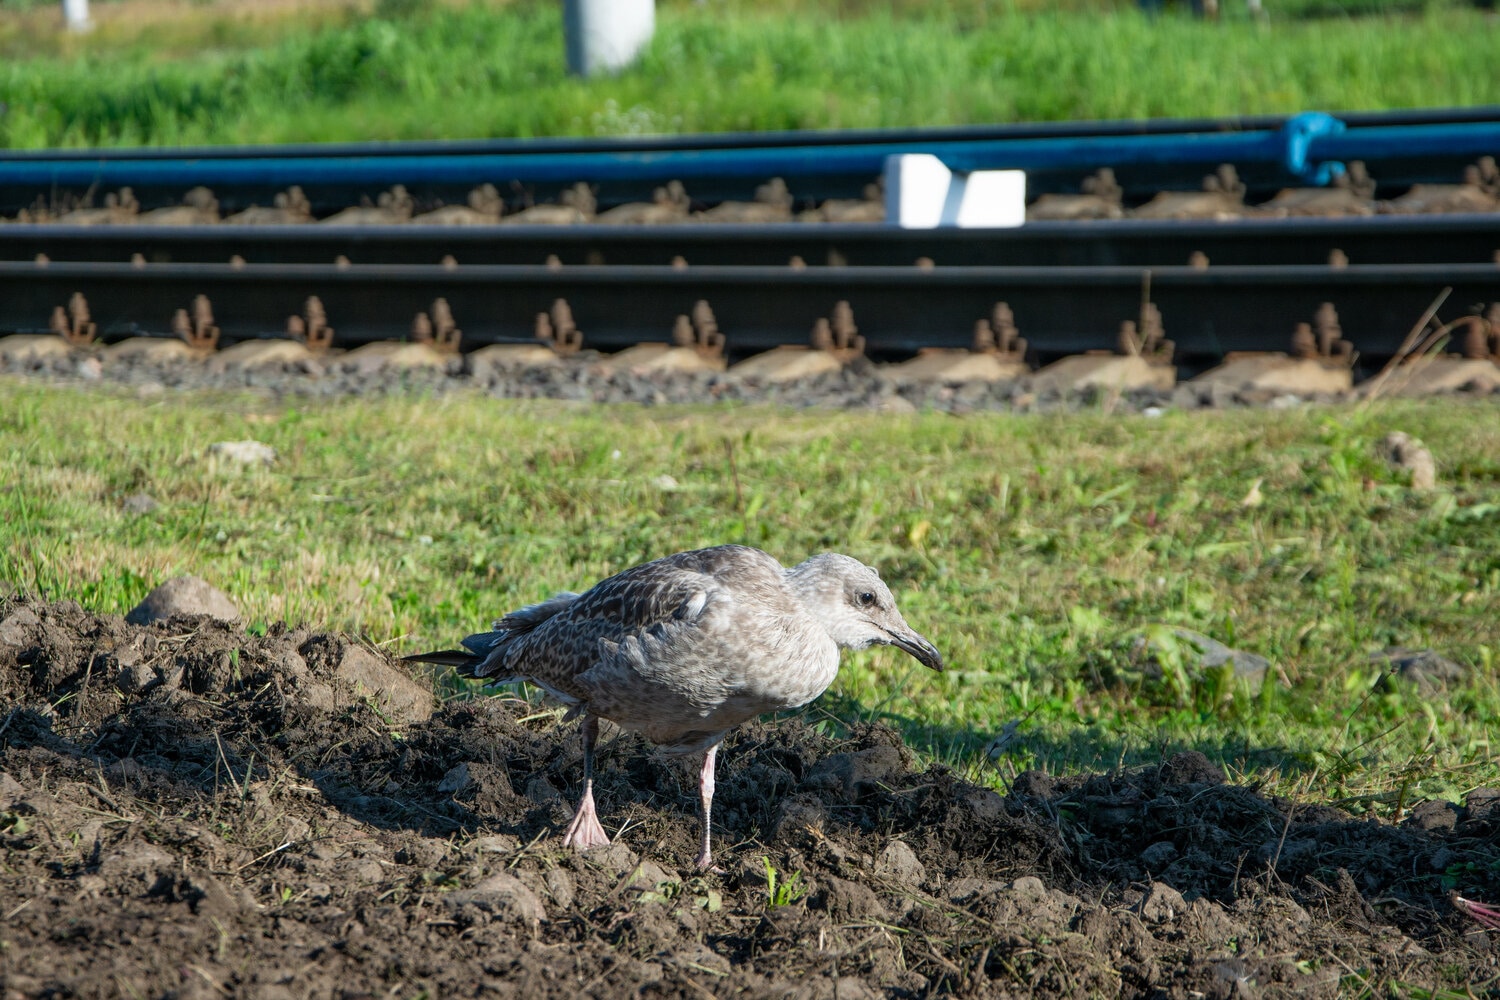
<point x="664" y="482"/>
<point x="899" y="863"/>
<point x="1161" y="905"/>
<point x="615" y="857"/>
<point x="542" y="792"/>
<point x="456" y="780"/>
<point x="10" y="790"/>
<point x="90" y="368"/>
<point x="559" y="887"/>
<point x="1427" y="669"/>
<point x="894" y="405"/>
<point x="288" y="662"/>
<point x="183" y="595"/>
<point x="1406" y="452"/>
<point x="1159" y="855"/>
<point x="503" y="896"/>
<point x="139" y="503"/>
<point x="494" y="844"/>
<point x="1029" y="887"/>
<point x="423" y="852"/>
<point x="135" y="678"/>
<point x="242" y="452"/>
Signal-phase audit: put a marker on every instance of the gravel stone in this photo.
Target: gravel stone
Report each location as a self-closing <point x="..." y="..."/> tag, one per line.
<point x="139" y="503"/>
<point x="1429" y="670"/>
<point x="859" y="385"/>
<point x="899" y="863"/>
<point x="456" y="780"/>
<point x="243" y="452"/>
<point x="559" y="887"/>
<point x="1406" y="452"/>
<point x="1161" y="904"/>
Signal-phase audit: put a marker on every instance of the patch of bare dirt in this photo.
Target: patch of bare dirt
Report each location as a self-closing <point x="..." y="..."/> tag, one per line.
<point x="187" y="810"/>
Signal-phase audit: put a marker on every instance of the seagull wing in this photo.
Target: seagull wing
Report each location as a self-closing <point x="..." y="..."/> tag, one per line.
<point x="666" y="640"/>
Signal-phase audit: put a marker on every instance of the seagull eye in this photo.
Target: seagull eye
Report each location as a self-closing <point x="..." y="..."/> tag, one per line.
<point x="867" y="600"/>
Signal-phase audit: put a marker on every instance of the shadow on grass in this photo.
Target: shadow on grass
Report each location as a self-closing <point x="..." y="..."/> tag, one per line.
<point x="1085" y="748"/>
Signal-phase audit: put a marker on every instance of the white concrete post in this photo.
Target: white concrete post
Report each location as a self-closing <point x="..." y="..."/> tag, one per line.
<point x="76" y="13"/>
<point x="605" y="35"/>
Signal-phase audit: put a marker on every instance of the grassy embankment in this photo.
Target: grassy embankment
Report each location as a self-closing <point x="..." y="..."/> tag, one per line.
<point x="1034" y="551"/>
<point x="173" y="71"/>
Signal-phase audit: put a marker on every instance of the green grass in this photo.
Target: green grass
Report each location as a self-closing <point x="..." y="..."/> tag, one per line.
<point x="1033" y="550"/>
<point x="483" y="70"/>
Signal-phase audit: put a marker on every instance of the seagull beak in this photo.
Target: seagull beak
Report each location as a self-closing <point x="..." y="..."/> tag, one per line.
<point x="917" y="645"/>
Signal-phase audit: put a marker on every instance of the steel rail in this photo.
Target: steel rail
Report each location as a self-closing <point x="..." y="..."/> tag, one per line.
<point x="1386" y="239"/>
<point x="1060" y="310"/>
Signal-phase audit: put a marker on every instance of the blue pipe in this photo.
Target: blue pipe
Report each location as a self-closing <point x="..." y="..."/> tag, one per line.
<point x="1310" y="147"/>
<point x="774" y="139"/>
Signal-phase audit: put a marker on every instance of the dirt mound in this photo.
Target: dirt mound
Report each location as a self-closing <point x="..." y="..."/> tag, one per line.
<point x="190" y="810"/>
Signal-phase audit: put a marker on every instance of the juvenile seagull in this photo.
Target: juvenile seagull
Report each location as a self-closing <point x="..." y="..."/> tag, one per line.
<point x="687" y="647"/>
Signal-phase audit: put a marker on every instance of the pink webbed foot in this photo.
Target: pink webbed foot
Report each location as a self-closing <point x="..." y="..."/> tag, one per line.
<point x="584" y="831"/>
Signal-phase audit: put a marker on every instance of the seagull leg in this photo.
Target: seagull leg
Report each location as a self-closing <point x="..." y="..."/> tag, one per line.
<point x="585" y="832"/>
<point x="706" y="796"/>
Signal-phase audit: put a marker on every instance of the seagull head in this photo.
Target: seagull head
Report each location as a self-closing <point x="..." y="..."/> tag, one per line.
<point x="856" y="607"/>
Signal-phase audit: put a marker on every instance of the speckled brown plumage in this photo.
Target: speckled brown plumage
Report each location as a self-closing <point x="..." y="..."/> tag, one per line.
<point x="685" y="648"/>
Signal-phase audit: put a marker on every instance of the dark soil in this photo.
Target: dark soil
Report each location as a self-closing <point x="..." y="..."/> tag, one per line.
<point x="188" y="810"/>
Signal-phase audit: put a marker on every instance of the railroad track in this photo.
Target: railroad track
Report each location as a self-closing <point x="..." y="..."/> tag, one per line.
<point x="1243" y="281"/>
<point x="1207" y="312"/>
<point x="1388" y="239"/>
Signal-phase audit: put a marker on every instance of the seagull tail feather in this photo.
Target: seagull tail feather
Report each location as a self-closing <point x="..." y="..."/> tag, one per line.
<point x="467" y="664"/>
<point x="462" y="660"/>
<point x="485" y="653"/>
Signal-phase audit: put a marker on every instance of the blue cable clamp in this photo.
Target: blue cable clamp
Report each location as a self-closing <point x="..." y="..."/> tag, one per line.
<point x="1297" y="137"/>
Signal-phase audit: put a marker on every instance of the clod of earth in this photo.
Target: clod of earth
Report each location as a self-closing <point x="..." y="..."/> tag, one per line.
<point x="253" y="823"/>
